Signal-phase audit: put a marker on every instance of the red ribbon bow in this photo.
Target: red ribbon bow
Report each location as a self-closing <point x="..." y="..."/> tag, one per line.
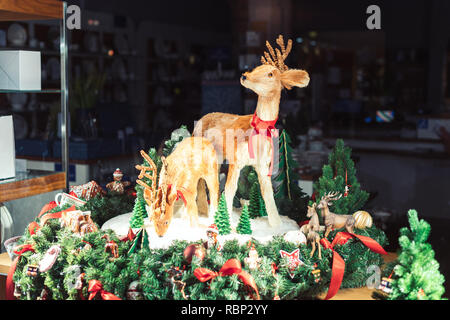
<point x="95" y="287"/>
<point x="232" y="266"/>
<point x="179" y="193"/>
<point x="338" y="266"/>
<point x="9" y="279"/>
<point x="266" y="126"/>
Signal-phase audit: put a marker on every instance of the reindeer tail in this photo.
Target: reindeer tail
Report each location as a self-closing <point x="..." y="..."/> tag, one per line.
<point x="363" y="219"/>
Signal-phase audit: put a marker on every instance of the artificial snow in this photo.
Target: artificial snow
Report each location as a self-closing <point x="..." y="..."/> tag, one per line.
<point x="180" y="229"/>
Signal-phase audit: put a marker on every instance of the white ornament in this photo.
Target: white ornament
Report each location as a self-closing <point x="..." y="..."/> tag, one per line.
<point x="297" y="237"/>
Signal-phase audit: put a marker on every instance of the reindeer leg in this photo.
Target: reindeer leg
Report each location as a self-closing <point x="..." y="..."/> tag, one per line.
<point x="327" y="231"/>
<point x="202" y="199"/>
<point x="192" y="211"/>
<point x="313" y="249"/>
<point x="212" y="180"/>
<point x="267" y="193"/>
<point x="231" y="186"/>
<point x="320" y="253"/>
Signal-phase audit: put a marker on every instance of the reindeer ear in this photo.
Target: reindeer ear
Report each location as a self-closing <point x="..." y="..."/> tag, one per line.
<point x="294" y="78"/>
<point x="329" y="203"/>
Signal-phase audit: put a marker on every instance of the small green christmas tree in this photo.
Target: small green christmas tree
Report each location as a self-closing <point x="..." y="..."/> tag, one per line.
<point x="286" y="182"/>
<point x="416" y="276"/>
<point x="140" y="241"/>
<point x="244" y="226"/>
<point x="221" y="218"/>
<point x="139" y="213"/>
<point x="256" y="208"/>
<point x="340" y="175"/>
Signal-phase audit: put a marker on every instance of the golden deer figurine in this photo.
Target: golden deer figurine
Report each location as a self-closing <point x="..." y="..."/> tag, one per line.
<point x="359" y="219"/>
<point x="254" y="132"/>
<point x="192" y="161"/>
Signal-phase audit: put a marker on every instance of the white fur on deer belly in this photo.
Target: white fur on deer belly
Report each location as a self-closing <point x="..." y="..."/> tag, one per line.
<point x="180" y="229"/>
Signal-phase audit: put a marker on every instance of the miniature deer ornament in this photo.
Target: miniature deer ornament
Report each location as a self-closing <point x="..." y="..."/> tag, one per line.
<point x="311" y="230"/>
<point x="247" y="140"/>
<point x="192" y="160"/>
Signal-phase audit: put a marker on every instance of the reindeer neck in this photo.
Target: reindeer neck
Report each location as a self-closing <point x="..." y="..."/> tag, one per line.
<point x="267" y="108"/>
<point x="325" y="212"/>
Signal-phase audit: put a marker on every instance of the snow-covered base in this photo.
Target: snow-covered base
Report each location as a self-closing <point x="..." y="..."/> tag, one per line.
<point x="180" y="229"/>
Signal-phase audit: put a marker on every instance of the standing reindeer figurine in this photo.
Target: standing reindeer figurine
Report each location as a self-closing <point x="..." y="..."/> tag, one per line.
<point x="192" y="160"/>
<point x="311" y="230"/>
<point x="252" y="133"/>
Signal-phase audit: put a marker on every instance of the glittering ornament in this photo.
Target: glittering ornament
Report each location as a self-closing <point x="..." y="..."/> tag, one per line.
<point x="134" y="291"/>
<point x="194" y="250"/>
<point x="293" y="260"/>
<point x="49" y="258"/>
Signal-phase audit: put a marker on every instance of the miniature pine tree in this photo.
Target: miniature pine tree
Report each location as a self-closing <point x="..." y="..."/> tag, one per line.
<point x="256" y="207"/>
<point x="338" y="174"/>
<point x="139" y="213"/>
<point x="416" y="276"/>
<point x="244" y="226"/>
<point x="140" y="241"/>
<point x="286" y="182"/>
<point x="221" y="218"/>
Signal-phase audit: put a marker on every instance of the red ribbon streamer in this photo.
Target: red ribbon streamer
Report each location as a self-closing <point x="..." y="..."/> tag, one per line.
<point x="232" y="266"/>
<point x="338" y="266"/>
<point x="95" y="287"/>
<point x="261" y="125"/>
<point x="49" y="206"/>
<point x="9" y="279"/>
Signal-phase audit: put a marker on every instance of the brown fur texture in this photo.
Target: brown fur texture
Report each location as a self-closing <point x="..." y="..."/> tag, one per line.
<point x="192" y="160"/>
<point x="266" y="81"/>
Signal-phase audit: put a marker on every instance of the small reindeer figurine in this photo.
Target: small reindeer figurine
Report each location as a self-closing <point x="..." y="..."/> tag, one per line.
<point x="192" y="160"/>
<point x="253" y="133"/>
<point x="332" y="220"/>
<point x="311" y="230"/>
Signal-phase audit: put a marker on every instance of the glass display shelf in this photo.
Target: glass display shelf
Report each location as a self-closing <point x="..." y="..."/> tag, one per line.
<point x="29" y="183"/>
<point x="31" y="91"/>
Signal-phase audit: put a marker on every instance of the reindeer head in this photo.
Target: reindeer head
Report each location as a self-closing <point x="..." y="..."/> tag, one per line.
<point x="268" y="79"/>
<point x="311" y="210"/>
<point x="325" y="201"/>
<point x="164" y="202"/>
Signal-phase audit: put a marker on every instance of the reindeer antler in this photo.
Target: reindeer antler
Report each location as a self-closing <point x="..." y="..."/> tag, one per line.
<point x="150" y="190"/>
<point x="331" y="196"/>
<point x="276" y="58"/>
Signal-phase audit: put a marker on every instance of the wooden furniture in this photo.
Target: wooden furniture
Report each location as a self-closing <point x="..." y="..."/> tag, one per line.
<point x="11" y="10"/>
<point x="343" y="294"/>
<point x="33" y="183"/>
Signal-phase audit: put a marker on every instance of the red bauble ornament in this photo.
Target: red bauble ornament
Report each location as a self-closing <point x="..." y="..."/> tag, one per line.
<point x="194" y="249"/>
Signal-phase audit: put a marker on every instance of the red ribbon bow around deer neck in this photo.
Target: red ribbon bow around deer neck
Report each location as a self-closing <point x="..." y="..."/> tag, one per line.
<point x="179" y="193"/>
<point x="267" y="127"/>
<point x="95" y="287"/>
<point x="9" y="279"/>
<point x="230" y="267"/>
<point x="338" y="266"/>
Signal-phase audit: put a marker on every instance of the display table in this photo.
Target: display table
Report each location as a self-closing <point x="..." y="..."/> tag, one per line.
<point x="343" y="294"/>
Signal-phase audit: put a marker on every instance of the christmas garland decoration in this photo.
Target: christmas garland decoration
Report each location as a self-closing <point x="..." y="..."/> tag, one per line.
<point x="99" y="265"/>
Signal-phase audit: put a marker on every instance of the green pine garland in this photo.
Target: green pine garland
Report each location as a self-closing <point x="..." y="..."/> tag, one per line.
<point x="150" y="266"/>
